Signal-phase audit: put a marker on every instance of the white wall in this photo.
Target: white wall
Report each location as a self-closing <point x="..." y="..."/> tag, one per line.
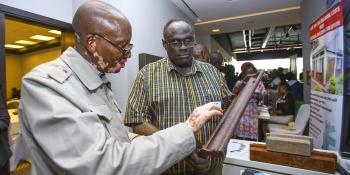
<point x="310" y="11"/>
<point x="60" y="9"/>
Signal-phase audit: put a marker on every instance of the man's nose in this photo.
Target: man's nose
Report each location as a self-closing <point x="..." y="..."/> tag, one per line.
<point x="127" y="55"/>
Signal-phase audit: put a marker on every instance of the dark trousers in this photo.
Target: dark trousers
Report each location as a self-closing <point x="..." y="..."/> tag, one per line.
<point x="5" y="170"/>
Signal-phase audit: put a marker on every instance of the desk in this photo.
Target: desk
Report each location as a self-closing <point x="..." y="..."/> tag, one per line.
<point x="19" y="150"/>
<point x="263" y="113"/>
<point x="237" y="159"/>
<point x="263" y="116"/>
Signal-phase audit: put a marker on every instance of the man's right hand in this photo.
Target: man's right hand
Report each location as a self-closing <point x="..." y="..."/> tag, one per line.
<point x="202" y="115"/>
<point x="199" y="164"/>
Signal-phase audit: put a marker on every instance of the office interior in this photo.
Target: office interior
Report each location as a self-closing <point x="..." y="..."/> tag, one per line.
<point x="268" y="33"/>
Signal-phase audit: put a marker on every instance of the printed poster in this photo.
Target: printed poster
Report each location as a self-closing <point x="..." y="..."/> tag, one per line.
<point x="327" y="78"/>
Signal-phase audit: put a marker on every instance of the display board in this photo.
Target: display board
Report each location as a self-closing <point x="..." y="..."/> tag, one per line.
<point x="327" y="78"/>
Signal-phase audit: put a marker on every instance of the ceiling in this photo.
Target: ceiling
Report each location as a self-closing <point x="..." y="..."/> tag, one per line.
<point x="248" y="21"/>
<point x="244" y="14"/>
<point x="18" y="30"/>
<point x="268" y="42"/>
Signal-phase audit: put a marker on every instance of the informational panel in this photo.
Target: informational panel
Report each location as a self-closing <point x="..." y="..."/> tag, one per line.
<point x="327" y="78"/>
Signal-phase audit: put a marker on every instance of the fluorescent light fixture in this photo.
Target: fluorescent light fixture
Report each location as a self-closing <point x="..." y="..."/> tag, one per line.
<point x="12" y="46"/>
<point x="25" y="42"/>
<point x="215" y="30"/>
<point x="55" y="32"/>
<point x="248" y="15"/>
<point x="42" y="37"/>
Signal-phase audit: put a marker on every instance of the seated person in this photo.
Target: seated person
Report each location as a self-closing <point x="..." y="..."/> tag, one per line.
<point x="284" y="108"/>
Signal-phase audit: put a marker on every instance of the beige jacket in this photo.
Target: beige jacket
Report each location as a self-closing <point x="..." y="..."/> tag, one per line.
<point x="72" y="125"/>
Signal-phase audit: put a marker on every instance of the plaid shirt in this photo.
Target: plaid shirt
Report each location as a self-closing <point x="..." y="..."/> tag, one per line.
<point x="164" y="97"/>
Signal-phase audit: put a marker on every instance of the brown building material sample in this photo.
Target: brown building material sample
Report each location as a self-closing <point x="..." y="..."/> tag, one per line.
<point x="218" y="140"/>
<point x="318" y="161"/>
<point x="292" y="144"/>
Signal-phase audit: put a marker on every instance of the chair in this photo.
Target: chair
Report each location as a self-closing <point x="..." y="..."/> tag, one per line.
<point x="300" y="122"/>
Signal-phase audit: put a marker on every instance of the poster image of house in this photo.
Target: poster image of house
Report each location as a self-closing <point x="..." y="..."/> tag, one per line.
<point x="328" y="64"/>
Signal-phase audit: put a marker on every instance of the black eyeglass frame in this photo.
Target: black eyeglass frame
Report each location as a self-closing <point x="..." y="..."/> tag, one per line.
<point x="179" y="43"/>
<point x="124" y="50"/>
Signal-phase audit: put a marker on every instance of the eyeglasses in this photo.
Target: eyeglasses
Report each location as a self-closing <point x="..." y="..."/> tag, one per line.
<point x="124" y="50"/>
<point x="179" y="43"/>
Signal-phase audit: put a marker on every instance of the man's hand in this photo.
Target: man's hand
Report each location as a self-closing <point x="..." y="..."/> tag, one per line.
<point x="198" y="163"/>
<point x="202" y="115"/>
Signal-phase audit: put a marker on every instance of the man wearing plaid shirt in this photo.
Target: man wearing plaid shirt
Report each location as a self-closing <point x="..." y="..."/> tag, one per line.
<point x="165" y="92"/>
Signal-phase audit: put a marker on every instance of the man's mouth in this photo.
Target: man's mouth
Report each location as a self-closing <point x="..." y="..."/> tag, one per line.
<point x="122" y="63"/>
<point x="184" y="55"/>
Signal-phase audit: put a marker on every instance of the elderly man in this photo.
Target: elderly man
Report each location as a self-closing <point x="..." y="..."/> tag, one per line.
<point x="5" y="152"/>
<point x="70" y="119"/>
<point x="165" y="92"/>
<point x="201" y="53"/>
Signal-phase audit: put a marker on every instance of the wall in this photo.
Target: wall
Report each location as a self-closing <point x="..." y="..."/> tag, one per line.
<point x="60" y="10"/>
<point x="30" y="60"/>
<point x="310" y="11"/>
<point x="13" y="73"/>
<point x="18" y="65"/>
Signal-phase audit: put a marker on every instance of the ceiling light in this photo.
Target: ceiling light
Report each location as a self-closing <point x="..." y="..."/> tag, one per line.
<point x="215" y="30"/>
<point x="13" y="46"/>
<point x="248" y="15"/>
<point x="25" y="42"/>
<point x="42" y="37"/>
<point x="55" y="32"/>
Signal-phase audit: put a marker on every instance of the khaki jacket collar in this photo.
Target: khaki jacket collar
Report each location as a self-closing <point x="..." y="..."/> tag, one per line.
<point x="85" y="71"/>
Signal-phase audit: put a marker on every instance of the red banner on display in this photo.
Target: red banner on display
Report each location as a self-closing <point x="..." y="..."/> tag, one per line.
<point x="327" y="22"/>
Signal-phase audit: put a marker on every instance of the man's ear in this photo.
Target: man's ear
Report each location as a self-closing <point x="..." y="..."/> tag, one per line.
<point x="91" y="43"/>
<point x="164" y="43"/>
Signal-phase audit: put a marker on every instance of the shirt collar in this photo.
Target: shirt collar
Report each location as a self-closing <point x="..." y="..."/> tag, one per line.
<point x="196" y="67"/>
<point x="86" y="72"/>
<point x="291" y="82"/>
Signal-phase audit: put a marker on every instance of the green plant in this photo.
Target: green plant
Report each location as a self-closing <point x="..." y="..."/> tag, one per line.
<point x="341" y="79"/>
<point x="318" y="88"/>
<point x="332" y="86"/>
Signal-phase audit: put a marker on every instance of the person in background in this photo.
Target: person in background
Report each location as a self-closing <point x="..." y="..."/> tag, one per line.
<point x="165" y="92"/>
<point x="301" y="77"/>
<point x="295" y="88"/>
<point x="201" y="53"/>
<point x="275" y="79"/>
<point x="247" y="128"/>
<point x="229" y="71"/>
<point x="283" y="110"/>
<point x="70" y="119"/>
<point x="5" y="152"/>
<point x="16" y="93"/>
<point x="216" y="60"/>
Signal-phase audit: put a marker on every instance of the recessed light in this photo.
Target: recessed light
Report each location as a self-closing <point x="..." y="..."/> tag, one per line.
<point x="55" y="32"/>
<point x="215" y="30"/>
<point x="25" y="42"/>
<point x="248" y="15"/>
<point x="42" y="37"/>
<point x="13" y="46"/>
